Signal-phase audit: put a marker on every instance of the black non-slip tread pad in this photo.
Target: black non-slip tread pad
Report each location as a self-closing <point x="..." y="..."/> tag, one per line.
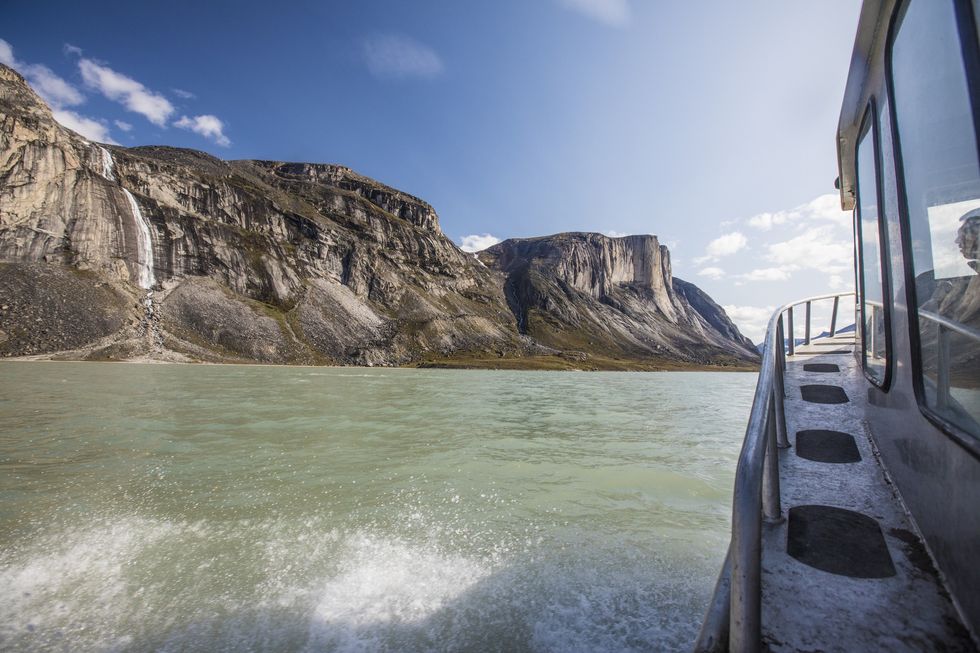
<point x="820" y="367"/>
<point x="827" y="446"/>
<point x="838" y="541"/>
<point x="824" y="394"/>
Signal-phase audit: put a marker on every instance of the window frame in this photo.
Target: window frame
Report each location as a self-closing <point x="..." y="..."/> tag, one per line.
<point x="970" y="55"/>
<point x="870" y="126"/>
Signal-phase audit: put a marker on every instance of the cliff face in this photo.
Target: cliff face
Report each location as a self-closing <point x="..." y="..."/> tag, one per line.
<point x="251" y="260"/>
<point x="175" y="254"/>
<point x="612" y="295"/>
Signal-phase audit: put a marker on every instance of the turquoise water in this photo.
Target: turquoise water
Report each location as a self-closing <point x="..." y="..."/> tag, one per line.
<point x="233" y="508"/>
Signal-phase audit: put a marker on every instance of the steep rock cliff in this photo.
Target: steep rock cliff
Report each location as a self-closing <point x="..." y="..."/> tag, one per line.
<point x="614" y="296"/>
<point x="251" y="260"/>
<point x="174" y="254"/>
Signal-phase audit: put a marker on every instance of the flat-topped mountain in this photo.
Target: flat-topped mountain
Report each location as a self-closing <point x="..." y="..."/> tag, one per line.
<point x="173" y="254"/>
<point x="614" y="296"/>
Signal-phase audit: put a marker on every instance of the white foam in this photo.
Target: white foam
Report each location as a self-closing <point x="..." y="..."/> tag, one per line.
<point x="142" y="584"/>
<point x="72" y="587"/>
<point x="385" y="582"/>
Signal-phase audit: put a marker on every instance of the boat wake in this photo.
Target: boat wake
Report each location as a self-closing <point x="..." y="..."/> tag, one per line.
<point x="136" y="584"/>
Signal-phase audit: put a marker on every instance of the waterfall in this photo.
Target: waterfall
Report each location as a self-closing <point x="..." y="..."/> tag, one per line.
<point x="144" y="239"/>
<point x="107" y="164"/>
<point x="144" y="253"/>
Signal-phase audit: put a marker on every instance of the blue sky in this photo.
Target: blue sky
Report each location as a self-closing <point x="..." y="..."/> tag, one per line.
<point x="710" y="124"/>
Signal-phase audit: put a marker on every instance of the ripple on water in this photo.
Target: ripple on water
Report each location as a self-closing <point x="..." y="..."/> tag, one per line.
<point x="112" y="587"/>
<point x="173" y="508"/>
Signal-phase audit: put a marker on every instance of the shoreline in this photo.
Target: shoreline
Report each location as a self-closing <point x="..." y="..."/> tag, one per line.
<point x="629" y="366"/>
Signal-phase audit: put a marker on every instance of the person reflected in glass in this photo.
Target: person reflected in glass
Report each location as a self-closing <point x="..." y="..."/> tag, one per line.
<point x="959" y="298"/>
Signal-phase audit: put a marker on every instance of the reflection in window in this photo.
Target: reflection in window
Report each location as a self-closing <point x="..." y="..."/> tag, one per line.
<point x="873" y="332"/>
<point x="942" y="177"/>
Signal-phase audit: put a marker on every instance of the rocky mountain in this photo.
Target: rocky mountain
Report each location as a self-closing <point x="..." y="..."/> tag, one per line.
<point x="614" y="297"/>
<point x="171" y="254"/>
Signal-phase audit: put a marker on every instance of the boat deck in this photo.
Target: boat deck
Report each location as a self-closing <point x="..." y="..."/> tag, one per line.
<point x="844" y="570"/>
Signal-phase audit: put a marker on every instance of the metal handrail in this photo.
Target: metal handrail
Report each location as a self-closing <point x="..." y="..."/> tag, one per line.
<point x="939" y="320"/>
<point x="756" y="495"/>
<point x="949" y="324"/>
<point x="944" y="327"/>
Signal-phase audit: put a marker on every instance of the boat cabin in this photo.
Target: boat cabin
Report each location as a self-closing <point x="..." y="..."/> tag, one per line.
<point x="856" y="512"/>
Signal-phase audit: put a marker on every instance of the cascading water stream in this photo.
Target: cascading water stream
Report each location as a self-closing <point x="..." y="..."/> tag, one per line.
<point x="145" y="243"/>
<point x="144" y="251"/>
<point x="107" y="164"/>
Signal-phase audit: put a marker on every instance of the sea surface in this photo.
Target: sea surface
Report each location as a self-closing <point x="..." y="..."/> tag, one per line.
<point x="250" y="508"/>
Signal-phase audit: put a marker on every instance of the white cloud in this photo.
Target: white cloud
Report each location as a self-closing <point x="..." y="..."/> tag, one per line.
<point x="724" y="245"/>
<point x="765" y="221"/>
<point x="615" y="13"/>
<point x="87" y="127"/>
<point x="127" y="91"/>
<point x="768" y="274"/>
<point x="612" y="233"/>
<point x="59" y="94"/>
<point x="815" y="237"/>
<point x="823" y="208"/>
<point x="804" y="250"/>
<point x="750" y="320"/>
<point x="181" y="93"/>
<point x="391" y="56"/>
<point x="711" y="273"/>
<point x="53" y="89"/>
<point x="727" y="244"/>
<point x="207" y="125"/>
<point x="477" y="242"/>
<point x="7" y="54"/>
<point x="822" y="248"/>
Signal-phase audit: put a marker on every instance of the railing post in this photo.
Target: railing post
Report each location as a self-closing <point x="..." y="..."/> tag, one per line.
<point x="833" y="317"/>
<point x="716" y="625"/>
<point x="806" y="329"/>
<point x="745" y="617"/>
<point x="858" y="326"/>
<point x="779" y="389"/>
<point x="942" y="367"/>
<point x="770" y="470"/>
<point x="792" y="333"/>
<point x="782" y="343"/>
<point x="870" y="330"/>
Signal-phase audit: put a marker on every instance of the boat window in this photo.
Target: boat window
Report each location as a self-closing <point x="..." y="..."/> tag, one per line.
<point x="874" y="333"/>
<point x="937" y="140"/>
